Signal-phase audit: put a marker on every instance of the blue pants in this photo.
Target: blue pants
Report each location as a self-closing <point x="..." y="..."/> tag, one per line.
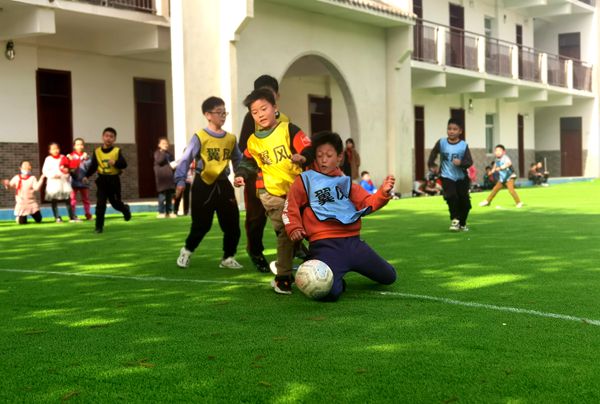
<point x="350" y="254"/>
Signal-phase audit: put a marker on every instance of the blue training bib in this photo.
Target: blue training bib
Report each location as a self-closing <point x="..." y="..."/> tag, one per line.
<point x="329" y="197"/>
<point x="449" y="152"/>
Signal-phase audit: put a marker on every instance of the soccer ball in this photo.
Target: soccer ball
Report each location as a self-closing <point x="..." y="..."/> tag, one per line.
<point x="314" y="278"/>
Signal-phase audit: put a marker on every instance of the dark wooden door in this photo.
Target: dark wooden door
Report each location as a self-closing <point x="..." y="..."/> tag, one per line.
<point x="570" y="147"/>
<point x="519" y="39"/>
<point x="54" y="111"/>
<point x="419" y="142"/>
<point x="459" y="115"/>
<point x="320" y="113"/>
<point x="150" y="124"/>
<point x="457" y="40"/>
<point x="521" y="145"/>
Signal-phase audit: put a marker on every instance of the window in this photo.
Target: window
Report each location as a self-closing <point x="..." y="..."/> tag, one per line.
<point x="489" y="133"/>
<point x="487" y="26"/>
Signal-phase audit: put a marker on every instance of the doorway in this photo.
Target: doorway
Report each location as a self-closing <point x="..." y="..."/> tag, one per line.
<point x="570" y="147"/>
<point x="419" y="142"/>
<point x="319" y="109"/>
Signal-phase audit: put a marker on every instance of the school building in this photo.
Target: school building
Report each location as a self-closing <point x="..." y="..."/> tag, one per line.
<point x="386" y="73"/>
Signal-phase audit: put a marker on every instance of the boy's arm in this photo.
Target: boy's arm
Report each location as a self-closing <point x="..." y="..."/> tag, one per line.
<point x="300" y="144"/>
<point x="121" y="164"/>
<point x="361" y="198"/>
<point x="247" y="166"/>
<point x="248" y="128"/>
<point x="434" y="153"/>
<point x="93" y="167"/>
<point x="185" y="161"/>
<point x="467" y="160"/>
<point x="236" y="157"/>
<point x="292" y="217"/>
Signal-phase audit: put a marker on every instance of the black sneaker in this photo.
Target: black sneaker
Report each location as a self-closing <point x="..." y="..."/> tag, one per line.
<point x="127" y="213"/>
<point x="260" y="262"/>
<point x="282" y="284"/>
<point x="301" y="252"/>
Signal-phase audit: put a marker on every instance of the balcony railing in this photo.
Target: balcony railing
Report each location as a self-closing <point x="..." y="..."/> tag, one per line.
<point x="146" y="6"/>
<point x="443" y="45"/>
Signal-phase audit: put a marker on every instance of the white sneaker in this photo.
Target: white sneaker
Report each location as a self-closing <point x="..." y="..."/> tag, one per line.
<point x="484" y="203"/>
<point x="273" y="267"/>
<point x="464" y="228"/>
<point x="231" y="263"/>
<point x="519" y="205"/>
<point x="161" y="216"/>
<point x="455" y="225"/>
<point x="184" y="258"/>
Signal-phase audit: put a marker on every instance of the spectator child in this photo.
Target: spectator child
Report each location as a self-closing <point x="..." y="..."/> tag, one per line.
<point x="326" y="207"/>
<point x="163" y="175"/>
<point x="58" y="184"/>
<point x="25" y="186"/>
<point x="79" y="162"/>
<point x="506" y="177"/>
<point x="488" y="178"/>
<point x="351" y="160"/>
<point x="366" y="182"/>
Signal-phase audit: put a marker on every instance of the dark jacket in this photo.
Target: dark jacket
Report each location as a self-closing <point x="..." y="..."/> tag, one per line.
<point x="163" y="173"/>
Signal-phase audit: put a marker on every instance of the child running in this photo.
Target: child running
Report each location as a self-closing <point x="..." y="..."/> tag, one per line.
<point x="506" y="177"/>
<point x="58" y="184"/>
<point x="213" y="149"/>
<point x="455" y="158"/>
<point x="25" y="186"/>
<point x="280" y="150"/>
<point x="79" y="162"/>
<point x="326" y="207"/>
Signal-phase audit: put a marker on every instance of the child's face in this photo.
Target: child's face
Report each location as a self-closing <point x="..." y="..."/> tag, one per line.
<point x="163" y="145"/>
<point x="327" y="158"/>
<point x="78" y="146"/>
<point x="108" y="138"/>
<point x="349" y="145"/>
<point x="264" y="113"/>
<point x="498" y="152"/>
<point x="454" y="131"/>
<point x="54" y="150"/>
<point x="26" y="166"/>
<point x="217" y="116"/>
<point x="434" y="170"/>
<point x="366" y="177"/>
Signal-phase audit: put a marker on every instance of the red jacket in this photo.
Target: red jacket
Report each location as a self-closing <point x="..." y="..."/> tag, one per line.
<point x="298" y="215"/>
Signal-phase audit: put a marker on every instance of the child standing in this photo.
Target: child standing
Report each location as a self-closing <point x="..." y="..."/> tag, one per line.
<point x="506" y="177"/>
<point x="324" y="205"/>
<point x="79" y="162"/>
<point x="163" y="174"/>
<point x="455" y="158"/>
<point x="58" y="186"/>
<point x="109" y="163"/>
<point x="367" y="183"/>
<point x="280" y="150"/>
<point x="25" y="186"/>
<point x="213" y="149"/>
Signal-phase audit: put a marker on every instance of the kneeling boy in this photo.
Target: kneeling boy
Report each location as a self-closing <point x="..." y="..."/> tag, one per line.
<point x="326" y="207"/>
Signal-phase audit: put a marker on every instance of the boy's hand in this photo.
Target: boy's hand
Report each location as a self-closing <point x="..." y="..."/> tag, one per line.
<point x="456" y="162"/>
<point x="239" y="182"/>
<point x="388" y="184"/>
<point x="111" y="162"/>
<point x="85" y="180"/>
<point x="179" y="191"/>
<point x="297" y="235"/>
<point x="84" y="156"/>
<point x="298" y="158"/>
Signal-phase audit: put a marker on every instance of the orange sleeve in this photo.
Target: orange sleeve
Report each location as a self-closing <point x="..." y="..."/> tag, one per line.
<point x="296" y="199"/>
<point x="247" y="154"/>
<point x="299" y="139"/>
<point x="362" y="199"/>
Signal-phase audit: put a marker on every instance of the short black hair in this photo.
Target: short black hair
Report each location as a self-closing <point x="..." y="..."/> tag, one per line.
<point x="211" y="103"/>
<point x="433" y="165"/>
<point x="326" y="137"/>
<point x="77" y="139"/>
<point x="160" y="139"/>
<point x="350" y="140"/>
<point x="266" y="81"/>
<point x="488" y="167"/>
<point x="111" y="130"/>
<point x="500" y="146"/>
<point x="259" y="94"/>
<point x="455" y="122"/>
<point x="363" y="173"/>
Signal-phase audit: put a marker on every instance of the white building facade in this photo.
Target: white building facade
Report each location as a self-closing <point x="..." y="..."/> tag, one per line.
<point x="388" y="74"/>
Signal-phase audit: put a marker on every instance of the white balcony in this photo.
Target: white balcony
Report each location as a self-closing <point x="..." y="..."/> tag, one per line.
<point x="550" y="8"/>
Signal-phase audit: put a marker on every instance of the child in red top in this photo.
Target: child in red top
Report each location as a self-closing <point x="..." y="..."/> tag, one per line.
<point x="79" y="162"/>
<point x="324" y="206"/>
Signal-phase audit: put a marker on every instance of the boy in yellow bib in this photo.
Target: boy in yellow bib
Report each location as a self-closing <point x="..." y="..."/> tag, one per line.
<point x="280" y="150"/>
<point x="108" y="162"/>
<point x="212" y="148"/>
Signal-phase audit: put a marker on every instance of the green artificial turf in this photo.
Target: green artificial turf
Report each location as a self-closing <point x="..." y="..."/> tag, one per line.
<point x="151" y="332"/>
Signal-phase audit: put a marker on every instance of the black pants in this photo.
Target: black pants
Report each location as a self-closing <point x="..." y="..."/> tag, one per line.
<point x="256" y="218"/>
<point x="456" y="194"/>
<point x="186" y="200"/>
<point x="37" y="216"/>
<point x="206" y="200"/>
<point x="109" y="187"/>
<point x="54" y="203"/>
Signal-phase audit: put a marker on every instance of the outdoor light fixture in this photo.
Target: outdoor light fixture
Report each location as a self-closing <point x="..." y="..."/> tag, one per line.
<point x="10" y="50"/>
<point x="470" y="104"/>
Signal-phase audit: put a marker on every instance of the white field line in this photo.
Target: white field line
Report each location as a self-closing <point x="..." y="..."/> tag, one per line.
<point x="245" y="283"/>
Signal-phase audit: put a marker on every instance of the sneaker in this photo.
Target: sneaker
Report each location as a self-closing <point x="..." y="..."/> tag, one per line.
<point x="544" y="184"/>
<point x="260" y="262"/>
<point x="88" y="216"/>
<point x="183" y="261"/>
<point x="519" y="205"/>
<point x="464" y="228"/>
<point x="75" y="220"/>
<point x="172" y="216"/>
<point x="98" y="230"/>
<point x="59" y="220"/>
<point x="161" y="216"/>
<point x="484" y="203"/>
<point x="301" y="252"/>
<point x="282" y="285"/>
<point x="127" y="213"/>
<point x="231" y="263"/>
<point x="455" y="225"/>
<point x="273" y="267"/>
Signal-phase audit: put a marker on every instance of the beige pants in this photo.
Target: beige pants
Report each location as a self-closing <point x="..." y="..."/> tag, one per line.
<point x="285" y="247"/>
<point x="510" y="184"/>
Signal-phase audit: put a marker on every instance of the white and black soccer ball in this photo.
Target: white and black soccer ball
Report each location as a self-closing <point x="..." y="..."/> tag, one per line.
<point x="314" y="278"/>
